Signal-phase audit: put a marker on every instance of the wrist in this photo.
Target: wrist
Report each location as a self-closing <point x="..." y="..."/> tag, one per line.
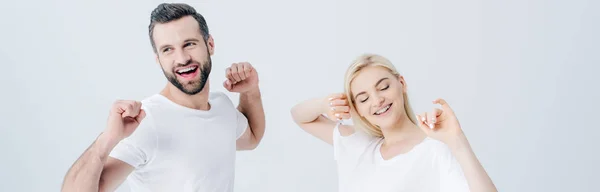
<point x="459" y="143"/>
<point x="104" y="144"/>
<point x="253" y="92"/>
<point x="325" y="105"/>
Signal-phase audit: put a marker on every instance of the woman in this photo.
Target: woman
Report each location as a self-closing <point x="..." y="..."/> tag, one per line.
<point x="388" y="147"/>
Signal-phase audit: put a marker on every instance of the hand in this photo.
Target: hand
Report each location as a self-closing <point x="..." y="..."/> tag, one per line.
<point x="337" y="107"/>
<point x="124" y="118"/>
<point x="241" y="78"/>
<point x="441" y="124"/>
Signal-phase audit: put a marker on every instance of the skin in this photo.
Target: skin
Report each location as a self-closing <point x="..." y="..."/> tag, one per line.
<point x="179" y="43"/>
<point x="375" y="88"/>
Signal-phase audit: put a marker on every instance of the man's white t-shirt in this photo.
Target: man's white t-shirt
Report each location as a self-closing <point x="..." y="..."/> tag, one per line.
<point x="176" y="148"/>
<point x="428" y="167"/>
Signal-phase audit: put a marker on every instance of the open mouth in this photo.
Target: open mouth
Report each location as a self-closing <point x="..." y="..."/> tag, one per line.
<point x="187" y="72"/>
<point x="383" y="110"/>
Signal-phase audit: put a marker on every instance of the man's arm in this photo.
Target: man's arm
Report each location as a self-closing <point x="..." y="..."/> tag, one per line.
<point x="95" y="171"/>
<point x="251" y="106"/>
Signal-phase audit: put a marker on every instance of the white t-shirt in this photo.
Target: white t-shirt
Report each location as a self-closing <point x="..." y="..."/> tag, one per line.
<point x="428" y="167"/>
<point x="176" y="148"/>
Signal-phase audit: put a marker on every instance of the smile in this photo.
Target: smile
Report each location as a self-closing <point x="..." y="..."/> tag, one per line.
<point x="383" y="110"/>
<point x="188" y="72"/>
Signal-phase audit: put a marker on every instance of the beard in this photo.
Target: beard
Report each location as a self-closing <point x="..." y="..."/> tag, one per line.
<point x="193" y="86"/>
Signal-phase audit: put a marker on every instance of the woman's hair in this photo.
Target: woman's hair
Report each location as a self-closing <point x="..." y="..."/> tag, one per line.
<point x="360" y="63"/>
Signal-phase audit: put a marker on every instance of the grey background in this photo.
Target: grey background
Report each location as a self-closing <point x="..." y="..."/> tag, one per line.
<point x="521" y="76"/>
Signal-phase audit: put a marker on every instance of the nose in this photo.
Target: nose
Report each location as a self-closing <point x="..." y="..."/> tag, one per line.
<point x="377" y="100"/>
<point x="181" y="57"/>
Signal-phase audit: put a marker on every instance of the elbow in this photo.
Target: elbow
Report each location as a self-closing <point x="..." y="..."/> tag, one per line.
<point x="249" y="144"/>
<point x="252" y="146"/>
<point x="248" y="147"/>
<point x="295" y="113"/>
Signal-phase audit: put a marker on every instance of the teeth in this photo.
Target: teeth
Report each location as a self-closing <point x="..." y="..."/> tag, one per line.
<point x="383" y="110"/>
<point x="186" y="69"/>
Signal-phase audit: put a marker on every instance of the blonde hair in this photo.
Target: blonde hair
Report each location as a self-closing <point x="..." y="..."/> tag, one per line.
<point x="360" y="63"/>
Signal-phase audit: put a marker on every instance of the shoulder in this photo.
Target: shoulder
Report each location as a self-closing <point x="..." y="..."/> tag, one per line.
<point x="219" y="98"/>
<point x="150" y="105"/>
<point x="435" y="146"/>
<point x="153" y="101"/>
<point x="440" y="151"/>
<point x="350" y="142"/>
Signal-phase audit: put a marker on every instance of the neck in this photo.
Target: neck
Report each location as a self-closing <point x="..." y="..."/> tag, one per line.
<point x="198" y="101"/>
<point x="403" y="130"/>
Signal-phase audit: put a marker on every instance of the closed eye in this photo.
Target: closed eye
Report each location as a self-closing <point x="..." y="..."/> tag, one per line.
<point x="366" y="98"/>
<point x="386" y="87"/>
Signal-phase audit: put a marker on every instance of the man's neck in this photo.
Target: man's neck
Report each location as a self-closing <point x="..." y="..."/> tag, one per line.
<point x="198" y="101"/>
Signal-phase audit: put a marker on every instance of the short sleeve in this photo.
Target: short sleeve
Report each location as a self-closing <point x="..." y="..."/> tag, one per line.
<point x="452" y="178"/>
<point x="242" y="124"/>
<point x="349" y="146"/>
<point x="137" y="149"/>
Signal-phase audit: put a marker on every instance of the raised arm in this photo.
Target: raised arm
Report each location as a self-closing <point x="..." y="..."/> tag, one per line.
<point x="251" y="106"/>
<point x="476" y="176"/>
<point x="443" y="125"/>
<point x="94" y="170"/>
<point x="242" y="78"/>
<point x="309" y="115"/>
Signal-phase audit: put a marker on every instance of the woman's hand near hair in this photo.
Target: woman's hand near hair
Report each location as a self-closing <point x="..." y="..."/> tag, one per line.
<point x="442" y="124"/>
<point x="309" y="116"/>
<point x="338" y="107"/>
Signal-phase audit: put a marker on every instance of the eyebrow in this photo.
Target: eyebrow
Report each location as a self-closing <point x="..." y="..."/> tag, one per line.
<point x="376" y="84"/>
<point x="187" y="40"/>
<point x="192" y="39"/>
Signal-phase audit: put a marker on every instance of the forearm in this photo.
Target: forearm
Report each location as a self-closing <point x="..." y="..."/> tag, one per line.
<point x="309" y="110"/>
<point x="476" y="176"/>
<point x="85" y="173"/>
<point x="251" y="106"/>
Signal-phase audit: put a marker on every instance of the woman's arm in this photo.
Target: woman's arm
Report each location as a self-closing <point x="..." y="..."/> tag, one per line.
<point x="475" y="174"/>
<point x="442" y="124"/>
<point x="309" y="116"/>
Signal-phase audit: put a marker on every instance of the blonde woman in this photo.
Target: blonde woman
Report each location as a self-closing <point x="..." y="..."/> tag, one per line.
<point x="388" y="147"/>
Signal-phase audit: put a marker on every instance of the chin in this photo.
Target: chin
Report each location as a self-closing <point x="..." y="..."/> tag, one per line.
<point x="389" y="120"/>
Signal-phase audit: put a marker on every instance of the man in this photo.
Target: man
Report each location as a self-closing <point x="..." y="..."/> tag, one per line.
<point x="185" y="137"/>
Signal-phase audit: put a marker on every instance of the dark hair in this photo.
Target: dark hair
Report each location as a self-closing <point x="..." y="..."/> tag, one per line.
<point x="167" y="12"/>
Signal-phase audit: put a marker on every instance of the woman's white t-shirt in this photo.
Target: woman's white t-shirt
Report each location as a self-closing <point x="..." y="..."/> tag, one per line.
<point x="428" y="167"/>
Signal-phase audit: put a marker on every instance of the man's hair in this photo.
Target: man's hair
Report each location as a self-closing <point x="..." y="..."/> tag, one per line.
<point x="167" y="12"/>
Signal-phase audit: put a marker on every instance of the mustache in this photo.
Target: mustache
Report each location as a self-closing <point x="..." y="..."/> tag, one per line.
<point x="188" y="62"/>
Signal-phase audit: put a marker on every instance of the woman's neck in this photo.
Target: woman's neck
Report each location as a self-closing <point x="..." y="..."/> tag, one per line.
<point x="403" y="130"/>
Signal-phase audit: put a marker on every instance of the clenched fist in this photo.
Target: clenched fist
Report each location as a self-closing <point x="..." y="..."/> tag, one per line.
<point x="241" y="78"/>
<point x="124" y="117"/>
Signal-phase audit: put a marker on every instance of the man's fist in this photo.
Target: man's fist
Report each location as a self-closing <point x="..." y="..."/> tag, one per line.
<point x="124" y="117"/>
<point x="241" y="78"/>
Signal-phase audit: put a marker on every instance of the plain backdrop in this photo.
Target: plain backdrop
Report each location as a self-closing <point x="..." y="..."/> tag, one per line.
<point x="520" y="74"/>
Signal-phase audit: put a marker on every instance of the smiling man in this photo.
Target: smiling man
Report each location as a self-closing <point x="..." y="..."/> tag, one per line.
<point x="185" y="137"/>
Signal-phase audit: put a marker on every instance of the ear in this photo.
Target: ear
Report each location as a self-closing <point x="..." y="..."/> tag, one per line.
<point x="402" y="82"/>
<point x="210" y="45"/>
